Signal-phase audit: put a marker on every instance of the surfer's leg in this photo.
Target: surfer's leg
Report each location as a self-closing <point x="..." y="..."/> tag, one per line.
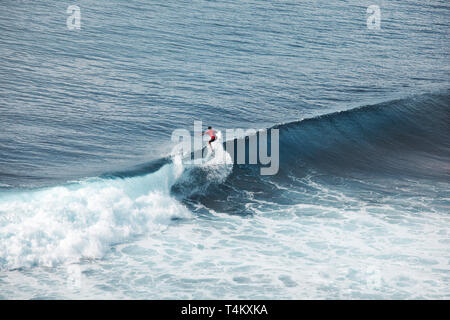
<point x="209" y="142"/>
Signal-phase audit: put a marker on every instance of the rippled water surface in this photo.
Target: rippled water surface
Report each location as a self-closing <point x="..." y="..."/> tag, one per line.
<point x="92" y="205"/>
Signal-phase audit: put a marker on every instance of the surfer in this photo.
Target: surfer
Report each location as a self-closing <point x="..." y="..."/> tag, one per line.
<point x="212" y="133"/>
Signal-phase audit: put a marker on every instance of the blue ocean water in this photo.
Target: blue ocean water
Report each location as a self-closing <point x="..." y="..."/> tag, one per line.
<point x="92" y="205"/>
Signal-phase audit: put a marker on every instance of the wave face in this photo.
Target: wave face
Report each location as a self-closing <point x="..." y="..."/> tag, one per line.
<point x="401" y="137"/>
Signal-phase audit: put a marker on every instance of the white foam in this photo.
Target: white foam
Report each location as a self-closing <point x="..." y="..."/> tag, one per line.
<point x="217" y="165"/>
<point x="73" y="222"/>
<point x="218" y="162"/>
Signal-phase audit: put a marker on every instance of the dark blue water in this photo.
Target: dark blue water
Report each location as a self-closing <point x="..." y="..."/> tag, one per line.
<point x="358" y="209"/>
